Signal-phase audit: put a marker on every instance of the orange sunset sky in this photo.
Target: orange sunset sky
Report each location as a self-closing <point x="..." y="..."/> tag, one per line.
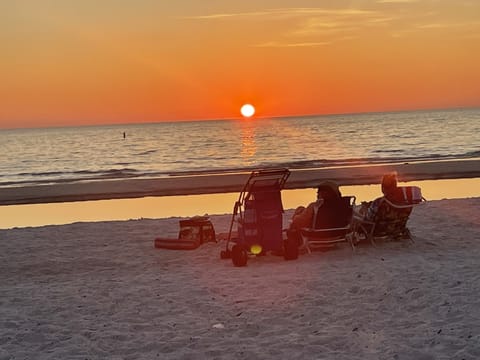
<point x="97" y="62"/>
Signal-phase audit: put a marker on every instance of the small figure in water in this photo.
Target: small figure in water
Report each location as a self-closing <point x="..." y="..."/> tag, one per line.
<point x="124" y="134"/>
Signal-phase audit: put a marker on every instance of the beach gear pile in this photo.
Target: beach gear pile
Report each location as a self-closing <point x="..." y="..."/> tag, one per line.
<point x="258" y="216"/>
<point x="193" y="232"/>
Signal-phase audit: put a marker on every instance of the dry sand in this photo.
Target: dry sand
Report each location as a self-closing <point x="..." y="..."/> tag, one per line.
<point x="102" y="291"/>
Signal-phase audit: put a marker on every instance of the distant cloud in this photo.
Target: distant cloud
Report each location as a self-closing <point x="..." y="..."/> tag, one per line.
<point x="283" y="13"/>
<point x="316" y="26"/>
<point x="433" y="26"/>
<point x="466" y="25"/>
<point x="227" y="15"/>
<point x="291" y="45"/>
<point x="469" y="30"/>
<point x="395" y="1"/>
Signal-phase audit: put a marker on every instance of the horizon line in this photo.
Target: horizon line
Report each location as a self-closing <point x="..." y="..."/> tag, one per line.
<point x="240" y="118"/>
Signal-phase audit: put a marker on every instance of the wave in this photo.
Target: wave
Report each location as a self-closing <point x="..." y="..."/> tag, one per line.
<point x="147" y="152"/>
<point x="472" y="154"/>
<point x="59" y="177"/>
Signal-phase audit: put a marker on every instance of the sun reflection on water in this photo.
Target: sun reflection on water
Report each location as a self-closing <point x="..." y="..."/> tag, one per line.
<point x="249" y="145"/>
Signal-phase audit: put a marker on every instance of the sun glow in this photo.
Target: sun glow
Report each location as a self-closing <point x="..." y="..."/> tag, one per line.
<point x="247" y="110"/>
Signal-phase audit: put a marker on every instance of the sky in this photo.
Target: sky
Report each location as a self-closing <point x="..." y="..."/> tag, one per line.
<point x="89" y="62"/>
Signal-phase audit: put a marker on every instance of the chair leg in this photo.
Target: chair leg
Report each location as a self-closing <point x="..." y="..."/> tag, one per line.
<point x="305" y="245"/>
<point x="410" y="236"/>
<point x="350" y="239"/>
<point x="372" y="240"/>
<point x="368" y="234"/>
<point x="371" y="237"/>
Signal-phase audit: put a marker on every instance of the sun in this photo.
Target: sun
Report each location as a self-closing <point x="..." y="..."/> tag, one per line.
<point x="247" y="110"/>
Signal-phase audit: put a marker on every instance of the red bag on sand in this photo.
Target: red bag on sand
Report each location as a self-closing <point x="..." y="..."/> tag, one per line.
<point x="408" y="195"/>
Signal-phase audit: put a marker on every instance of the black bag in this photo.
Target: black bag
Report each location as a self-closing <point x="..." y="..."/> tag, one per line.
<point x="199" y="229"/>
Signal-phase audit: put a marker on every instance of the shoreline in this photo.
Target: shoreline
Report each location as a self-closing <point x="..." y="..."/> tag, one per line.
<point x="164" y="207"/>
<point x="233" y="183"/>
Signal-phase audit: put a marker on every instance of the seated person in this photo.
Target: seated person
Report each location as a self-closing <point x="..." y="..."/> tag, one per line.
<point x="329" y="200"/>
<point x="390" y="191"/>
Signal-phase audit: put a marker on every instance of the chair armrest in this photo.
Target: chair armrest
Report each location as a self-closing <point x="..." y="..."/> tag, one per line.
<point x="403" y="206"/>
<point x="320" y="231"/>
<point x="313" y="232"/>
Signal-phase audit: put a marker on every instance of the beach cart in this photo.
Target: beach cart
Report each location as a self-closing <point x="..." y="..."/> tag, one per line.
<point x="258" y="215"/>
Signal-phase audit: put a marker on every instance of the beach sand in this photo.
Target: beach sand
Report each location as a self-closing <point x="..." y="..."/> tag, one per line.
<point x="100" y="290"/>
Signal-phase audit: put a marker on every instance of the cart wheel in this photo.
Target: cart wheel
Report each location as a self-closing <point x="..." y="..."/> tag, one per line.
<point x="225" y="254"/>
<point x="239" y="256"/>
<point x="290" y="250"/>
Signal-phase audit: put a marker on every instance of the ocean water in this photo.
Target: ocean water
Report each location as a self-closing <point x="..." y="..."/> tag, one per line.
<point x="56" y="155"/>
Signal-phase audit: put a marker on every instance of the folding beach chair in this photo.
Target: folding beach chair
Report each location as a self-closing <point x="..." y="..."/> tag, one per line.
<point x="330" y="226"/>
<point x="258" y="214"/>
<point x="392" y="216"/>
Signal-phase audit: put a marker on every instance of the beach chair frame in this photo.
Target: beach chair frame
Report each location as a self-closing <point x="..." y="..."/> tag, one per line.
<point x="387" y="227"/>
<point x="328" y="238"/>
<point x="258" y="214"/>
